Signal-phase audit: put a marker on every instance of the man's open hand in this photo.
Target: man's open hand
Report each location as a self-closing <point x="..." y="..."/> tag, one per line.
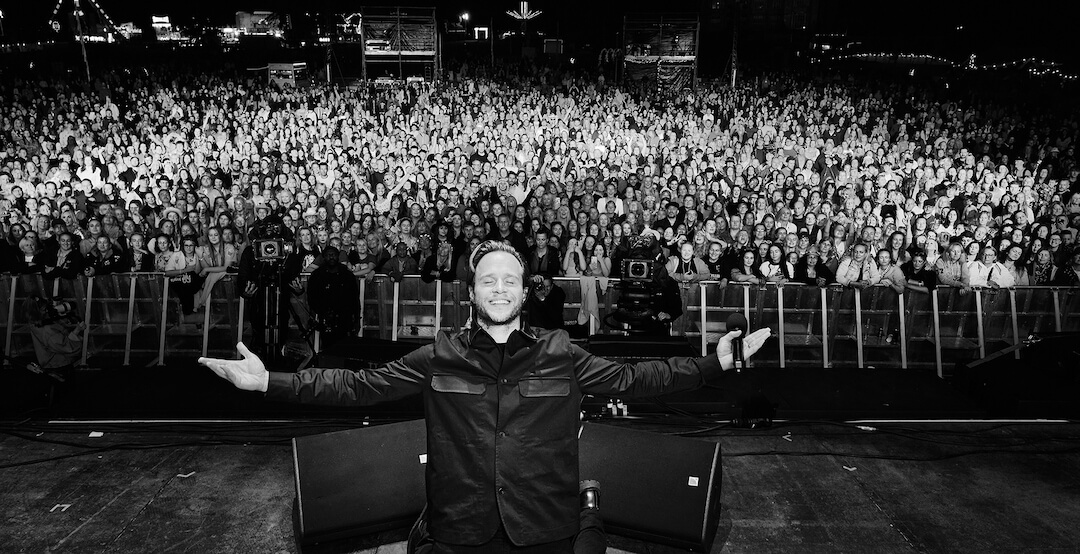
<point x="751" y="344"/>
<point x="246" y="374"/>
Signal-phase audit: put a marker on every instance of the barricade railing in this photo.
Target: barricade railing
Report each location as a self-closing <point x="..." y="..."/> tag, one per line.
<point x="130" y="318"/>
<point x="134" y="317"/>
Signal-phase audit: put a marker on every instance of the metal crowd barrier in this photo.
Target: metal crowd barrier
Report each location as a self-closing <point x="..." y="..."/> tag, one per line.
<point x="133" y="318"/>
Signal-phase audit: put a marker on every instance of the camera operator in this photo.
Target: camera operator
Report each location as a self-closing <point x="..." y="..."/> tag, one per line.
<point x="56" y="332"/>
<point x="332" y="294"/>
<point x="650" y="302"/>
<point x="260" y="281"/>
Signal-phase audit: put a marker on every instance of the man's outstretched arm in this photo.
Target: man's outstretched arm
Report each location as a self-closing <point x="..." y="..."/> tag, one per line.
<point x="327" y="386"/>
<point x="600" y="376"/>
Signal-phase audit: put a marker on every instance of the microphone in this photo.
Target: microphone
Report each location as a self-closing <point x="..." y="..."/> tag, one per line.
<point x="737" y="322"/>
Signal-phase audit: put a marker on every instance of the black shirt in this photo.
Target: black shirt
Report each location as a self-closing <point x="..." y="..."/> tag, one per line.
<point x="501" y="425"/>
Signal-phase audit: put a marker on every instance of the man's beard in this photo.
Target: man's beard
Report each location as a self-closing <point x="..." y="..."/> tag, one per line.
<point x="485" y="317"/>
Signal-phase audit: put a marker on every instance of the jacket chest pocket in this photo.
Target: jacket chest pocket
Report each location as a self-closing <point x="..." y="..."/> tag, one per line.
<point x="458" y="384"/>
<point x="546" y="387"/>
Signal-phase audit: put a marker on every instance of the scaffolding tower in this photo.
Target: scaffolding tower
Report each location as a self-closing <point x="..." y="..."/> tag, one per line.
<point x="661" y="50"/>
<point x="400" y="42"/>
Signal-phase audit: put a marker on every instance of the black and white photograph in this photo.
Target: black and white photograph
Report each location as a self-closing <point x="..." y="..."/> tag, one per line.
<point x="539" y="276"/>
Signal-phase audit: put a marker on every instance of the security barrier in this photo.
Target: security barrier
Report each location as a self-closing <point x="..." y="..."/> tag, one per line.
<point x="133" y="319"/>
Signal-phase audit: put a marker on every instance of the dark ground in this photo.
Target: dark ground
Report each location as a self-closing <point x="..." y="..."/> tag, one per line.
<point x="823" y="488"/>
<point x="809" y="483"/>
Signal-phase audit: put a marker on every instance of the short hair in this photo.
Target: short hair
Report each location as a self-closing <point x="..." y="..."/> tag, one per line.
<point x="487" y="247"/>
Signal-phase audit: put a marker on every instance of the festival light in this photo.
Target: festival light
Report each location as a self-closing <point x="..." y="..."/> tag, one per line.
<point x="524" y="13"/>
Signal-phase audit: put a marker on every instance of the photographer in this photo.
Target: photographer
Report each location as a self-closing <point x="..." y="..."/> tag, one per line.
<point x="56" y="332"/>
<point x="544" y="306"/>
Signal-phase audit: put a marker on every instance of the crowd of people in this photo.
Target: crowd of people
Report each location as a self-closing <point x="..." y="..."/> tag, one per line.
<point x="779" y="179"/>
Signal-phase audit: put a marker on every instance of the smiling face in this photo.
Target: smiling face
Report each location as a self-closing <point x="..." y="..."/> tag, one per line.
<point x="498" y="291"/>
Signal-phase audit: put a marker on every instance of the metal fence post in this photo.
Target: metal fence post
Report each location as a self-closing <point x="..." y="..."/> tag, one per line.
<point x="937" y="332"/>
<point x="363" y="305"/>
<point x="1015" y="321"/>
<point x="164" y="321"/>
<point x="11" y="316"/>
<point x="131" y="317"/>
<point x="858" y="327"/>
<point x="780" y="322"/>
<point x="901" y="307"/>
<point x="1057" y="310"/>
<point x="704" y="319"/>
<point x="240" y="325"/>
<point x="86" y="317"/>
<point x="438" y="306"/>
<point x="979" y="322"/>
<point x="394" y="312"/>
<point x="825" y="361"/>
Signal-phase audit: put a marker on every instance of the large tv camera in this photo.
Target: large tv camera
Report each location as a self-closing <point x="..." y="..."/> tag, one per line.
<point x="272" y="249"/>
<point x="640" y="286"/>
<point x="271" y="241"/>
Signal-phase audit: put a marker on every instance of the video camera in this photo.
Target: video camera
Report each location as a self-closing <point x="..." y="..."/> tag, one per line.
<point x="640" y="284"/>
<point x="272" y="249"/>
<point x="271" y="240"/>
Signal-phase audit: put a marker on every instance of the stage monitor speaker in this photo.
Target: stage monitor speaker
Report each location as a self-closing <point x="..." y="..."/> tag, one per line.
<point x="654" y="487"/>
<point x="359" y="481"/>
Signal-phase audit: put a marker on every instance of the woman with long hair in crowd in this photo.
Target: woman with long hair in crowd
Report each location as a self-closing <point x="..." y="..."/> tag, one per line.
<point x="811" y="270"/>
<point x="1010" y="272"/>
<point x="747" y="270"/>
<point x="307" y="251"/>
<point x="597" y="262"/>
<point x="174" y="265"/>
<point x="215" y="258"/>
<point x="932" y="249"/>
<point x="1042" y="270"/>
<point x="897" y="247"/>
<point x="838" y="239"/>
<point x="574" y="259"/>
<point x="951" y="269"/>
<point x="775" y="267"/>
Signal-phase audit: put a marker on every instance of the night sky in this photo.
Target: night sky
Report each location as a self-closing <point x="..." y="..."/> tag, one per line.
<point x="995" y="31"/>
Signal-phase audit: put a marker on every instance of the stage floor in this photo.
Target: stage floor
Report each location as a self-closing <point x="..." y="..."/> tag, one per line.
<point x="795" y="487"/>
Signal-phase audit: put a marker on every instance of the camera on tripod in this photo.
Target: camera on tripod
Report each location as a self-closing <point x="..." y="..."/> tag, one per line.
<point x="272" y="249"/>
<point x="638" y="270"/>
<point x="639" y="286"/>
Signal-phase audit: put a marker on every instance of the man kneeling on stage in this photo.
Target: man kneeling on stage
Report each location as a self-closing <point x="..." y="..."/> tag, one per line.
<point x="502" y="407"/>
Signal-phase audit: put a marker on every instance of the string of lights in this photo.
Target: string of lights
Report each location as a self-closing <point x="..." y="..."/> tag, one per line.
<point x="1037" y="67"/>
